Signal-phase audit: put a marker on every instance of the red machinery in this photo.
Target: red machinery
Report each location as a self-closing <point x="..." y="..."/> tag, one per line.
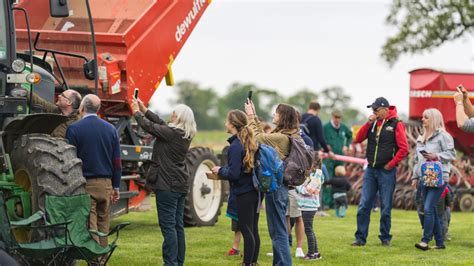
<point x="434" y="89"/>
<point x="136" y="43"/>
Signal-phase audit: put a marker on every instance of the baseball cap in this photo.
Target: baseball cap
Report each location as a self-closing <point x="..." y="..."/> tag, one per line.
<point x="379" y="102"/>
<point x="337" y="113"/>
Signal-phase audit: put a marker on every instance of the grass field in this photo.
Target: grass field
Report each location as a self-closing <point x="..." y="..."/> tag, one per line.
<point x="140" y="243"/>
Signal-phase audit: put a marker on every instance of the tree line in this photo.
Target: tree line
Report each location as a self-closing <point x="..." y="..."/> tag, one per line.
<point x="210" y="109"/>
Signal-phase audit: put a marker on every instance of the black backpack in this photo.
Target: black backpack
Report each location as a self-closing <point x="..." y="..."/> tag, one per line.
<point x="298" y="163"/>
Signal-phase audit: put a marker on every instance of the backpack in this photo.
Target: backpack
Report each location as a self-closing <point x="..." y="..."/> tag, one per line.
<point x="304" y="125"/>
<point x="298" y="163"/>
<point x="432" y="174"/>
<point x="268" y="170"/>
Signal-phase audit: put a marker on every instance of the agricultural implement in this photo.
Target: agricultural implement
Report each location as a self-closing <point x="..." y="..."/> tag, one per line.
<point x="431" y="89"/>
<point x="108" y="48"/>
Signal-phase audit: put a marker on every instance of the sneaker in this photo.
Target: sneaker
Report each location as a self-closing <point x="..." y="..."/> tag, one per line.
<point x="438" y="247"/>
<point x="357" y="244"/>
<point x="386" y="243"/>
<point x="233" y="252"/>
<point x="299" y="253"/>
<point x="376" y="209"/>
<point x="322" y="214"/>
<point x="315" y="256"/>
<point x="422" y="245"/>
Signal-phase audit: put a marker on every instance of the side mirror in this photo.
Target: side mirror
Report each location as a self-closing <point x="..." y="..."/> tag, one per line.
<point x="58" y="8"/>
<point x="89" y="69"/>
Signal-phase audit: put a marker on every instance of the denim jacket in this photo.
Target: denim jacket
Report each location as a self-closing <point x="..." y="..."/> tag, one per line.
<point x="441" y="144"/>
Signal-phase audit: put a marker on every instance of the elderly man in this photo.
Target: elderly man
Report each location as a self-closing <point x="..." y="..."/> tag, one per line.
<point x="464" y="110"/>
<point x="338" y="137"/>
<point x="67" y="105"/>
<point x="386" y="146"/>
<point x="98" y="147"/>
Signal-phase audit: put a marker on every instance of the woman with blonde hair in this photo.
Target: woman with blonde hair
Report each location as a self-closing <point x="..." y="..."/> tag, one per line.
<point x="167" y="176"/>
<point x="435" y="144"/>
<point x="239" y="172"/>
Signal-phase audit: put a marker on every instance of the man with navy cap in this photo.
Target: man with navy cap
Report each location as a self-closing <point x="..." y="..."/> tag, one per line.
<point x="386" y="146"/>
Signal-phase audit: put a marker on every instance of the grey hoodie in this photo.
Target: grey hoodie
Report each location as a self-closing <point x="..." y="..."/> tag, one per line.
<point x="441" y="144"/>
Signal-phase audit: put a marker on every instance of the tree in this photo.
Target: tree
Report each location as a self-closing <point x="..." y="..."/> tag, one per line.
<point x="336" y="98"/>
<point x="203" y="102"/>
<point x="264" y="99"/>
<point x="426" y="24"/>
<point x="302" y="98"/>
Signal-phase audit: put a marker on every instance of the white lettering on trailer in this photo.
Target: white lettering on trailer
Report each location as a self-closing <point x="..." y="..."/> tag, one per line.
<point x="186" y="24"/>
<point x="421" y="94"/>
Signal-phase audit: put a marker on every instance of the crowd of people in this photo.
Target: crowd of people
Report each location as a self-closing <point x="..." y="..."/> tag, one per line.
<point x="287" y="206"/>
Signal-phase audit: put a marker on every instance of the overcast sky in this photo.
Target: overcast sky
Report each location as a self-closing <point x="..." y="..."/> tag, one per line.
<point x="289" y="45"/>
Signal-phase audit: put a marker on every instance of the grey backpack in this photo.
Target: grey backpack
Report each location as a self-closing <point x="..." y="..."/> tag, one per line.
<point x="298" y="163"/>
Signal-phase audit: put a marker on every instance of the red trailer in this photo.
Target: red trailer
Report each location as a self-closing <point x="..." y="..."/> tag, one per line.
<point x="431" y="88"/>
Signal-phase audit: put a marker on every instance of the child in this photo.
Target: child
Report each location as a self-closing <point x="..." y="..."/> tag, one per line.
<point x="308" y="203"/>
<point x="340" y="187"/>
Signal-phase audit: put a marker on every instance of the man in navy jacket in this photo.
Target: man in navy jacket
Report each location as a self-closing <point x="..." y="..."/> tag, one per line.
<point x="98" y="147"/>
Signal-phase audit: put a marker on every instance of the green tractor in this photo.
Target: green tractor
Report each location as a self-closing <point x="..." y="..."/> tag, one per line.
<point x="32" y="163"/>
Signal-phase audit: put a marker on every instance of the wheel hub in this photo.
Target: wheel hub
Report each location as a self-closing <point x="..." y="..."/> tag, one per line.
<point x="205" y="190"/>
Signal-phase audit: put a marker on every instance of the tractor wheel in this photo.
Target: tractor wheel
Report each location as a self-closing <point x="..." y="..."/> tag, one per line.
<point x="44" y="165"/>
<point x="466" y="203"/>
<point x="204" y="201"/>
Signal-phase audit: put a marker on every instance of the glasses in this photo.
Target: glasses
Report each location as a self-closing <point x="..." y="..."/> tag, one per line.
<point x="65" y="97"/>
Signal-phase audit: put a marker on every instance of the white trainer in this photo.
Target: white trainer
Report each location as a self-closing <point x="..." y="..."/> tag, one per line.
<point x="299" y="253"/>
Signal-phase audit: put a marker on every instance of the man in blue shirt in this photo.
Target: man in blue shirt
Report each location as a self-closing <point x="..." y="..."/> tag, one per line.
<point x="98" y="147"/>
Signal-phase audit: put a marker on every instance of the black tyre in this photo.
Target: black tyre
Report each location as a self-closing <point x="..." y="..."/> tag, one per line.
<point x="204" y="200"/>
<point x="44" y="165"/>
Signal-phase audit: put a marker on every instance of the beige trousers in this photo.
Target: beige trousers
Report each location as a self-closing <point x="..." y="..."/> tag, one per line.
<point x="100" y="190"/>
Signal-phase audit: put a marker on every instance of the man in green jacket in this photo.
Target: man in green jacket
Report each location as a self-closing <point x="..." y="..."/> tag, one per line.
<point x="338" y="137"/>
<point x="67" y="104"/>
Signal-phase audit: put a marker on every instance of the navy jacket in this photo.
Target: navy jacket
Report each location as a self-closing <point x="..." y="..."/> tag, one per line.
<point x="98" y="147"/>
<point x="316" y="134"/>
<point x="234" y="171"/>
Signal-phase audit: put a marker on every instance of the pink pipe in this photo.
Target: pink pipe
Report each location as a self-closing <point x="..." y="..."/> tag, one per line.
<point x="343" y="158"/>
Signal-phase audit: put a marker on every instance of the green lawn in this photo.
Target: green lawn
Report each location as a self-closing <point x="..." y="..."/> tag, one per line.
<point x="140" y="243"/>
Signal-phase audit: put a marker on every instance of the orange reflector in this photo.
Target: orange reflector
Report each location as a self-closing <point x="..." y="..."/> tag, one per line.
<point x="37" y="78"/>
<point x="138" y="149"/>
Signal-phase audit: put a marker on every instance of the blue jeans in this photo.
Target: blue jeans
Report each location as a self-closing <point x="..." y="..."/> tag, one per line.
<point x="383" y="182"/>
<point x="432" y="223"/>
<point x="275" y="206"/>
<point x="170" y="207"/>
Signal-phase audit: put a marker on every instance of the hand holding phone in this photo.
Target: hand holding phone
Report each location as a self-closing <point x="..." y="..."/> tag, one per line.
<point x="135" y="93"/>
<point x="462" y="90"/>
<point x="423" y="152"/>
<point x="249" y="95"/>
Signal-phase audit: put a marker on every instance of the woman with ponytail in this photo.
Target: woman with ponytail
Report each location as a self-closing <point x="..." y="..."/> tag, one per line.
<point x="239" y="171"/>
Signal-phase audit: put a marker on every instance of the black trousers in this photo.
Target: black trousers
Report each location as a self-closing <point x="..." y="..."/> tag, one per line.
<point x="247" y="212"/>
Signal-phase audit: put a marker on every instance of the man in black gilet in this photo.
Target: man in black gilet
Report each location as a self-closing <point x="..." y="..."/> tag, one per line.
<point x="386" y="146"/>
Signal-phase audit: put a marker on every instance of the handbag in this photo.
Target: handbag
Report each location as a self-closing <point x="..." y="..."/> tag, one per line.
<point x="432" y="174"/>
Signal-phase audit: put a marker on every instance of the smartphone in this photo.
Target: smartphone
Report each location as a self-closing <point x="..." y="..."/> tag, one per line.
<point x="135" y="93"/>
<point x="249" y="95"/>
<point x="423" y="152"/>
